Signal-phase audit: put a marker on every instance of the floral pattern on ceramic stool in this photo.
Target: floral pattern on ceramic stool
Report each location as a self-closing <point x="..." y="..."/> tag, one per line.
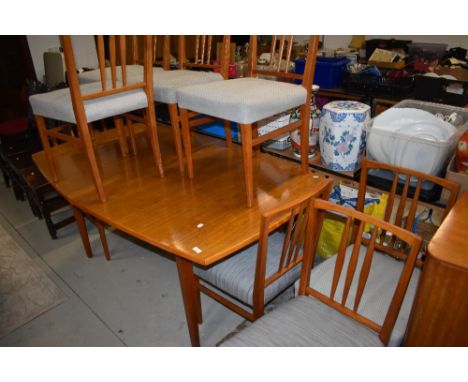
<point x="343" y="126"/>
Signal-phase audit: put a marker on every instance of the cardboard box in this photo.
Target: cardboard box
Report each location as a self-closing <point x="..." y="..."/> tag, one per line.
<point x="458" y="177"/>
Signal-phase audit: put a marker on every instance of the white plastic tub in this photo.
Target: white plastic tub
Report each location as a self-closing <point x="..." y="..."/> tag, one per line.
<point x="419" y="146"/>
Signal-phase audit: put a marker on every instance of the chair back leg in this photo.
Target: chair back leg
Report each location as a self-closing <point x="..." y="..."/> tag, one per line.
<point x="174" y="116"/>
<point x="246" y="131"/>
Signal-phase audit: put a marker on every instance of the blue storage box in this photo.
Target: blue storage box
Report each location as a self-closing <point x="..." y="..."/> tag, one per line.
<point x="328" y="71"/>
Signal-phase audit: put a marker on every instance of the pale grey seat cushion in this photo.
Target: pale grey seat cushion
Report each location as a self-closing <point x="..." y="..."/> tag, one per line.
<point x="235" y="275"/>
<point x="57" y="104"/>
<point x="305" y="321"/>
<point x="242" y="100"/>
<point x="166" y="84"/>
<point x="134" y="74"/>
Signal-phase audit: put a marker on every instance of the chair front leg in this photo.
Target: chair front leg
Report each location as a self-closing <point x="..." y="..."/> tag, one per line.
<point x="246" y="131"/>
<point x="305" y="139"/>
<point x="122" y="136"/>
<point x="184" y="121"/>
<point x="150" y="119"/>
<point x="131" y="130"/>
<point x="228" y="132"/>
<point x="174" y="116"/>
<point x="91" y="156"/>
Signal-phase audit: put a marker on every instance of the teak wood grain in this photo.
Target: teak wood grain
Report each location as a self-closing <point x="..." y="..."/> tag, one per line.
<point x="199" y="221"/>
<point x="165" y="212"/>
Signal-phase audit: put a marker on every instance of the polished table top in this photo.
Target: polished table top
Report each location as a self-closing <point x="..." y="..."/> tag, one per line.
<point x="201" y="220"/>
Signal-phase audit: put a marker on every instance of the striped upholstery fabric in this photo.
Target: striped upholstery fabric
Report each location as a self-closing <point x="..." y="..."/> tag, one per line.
<point x="235" y="275"/>
<point x="57" y="104"/>
<point x="242" y="100"/>
<point x="305" y="321"/>
<point x="166" y="84"/>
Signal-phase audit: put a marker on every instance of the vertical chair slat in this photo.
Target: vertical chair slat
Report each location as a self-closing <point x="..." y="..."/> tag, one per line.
<point x="102" y="61"/>
<point x="197" y="47"/>
<point x="390" y="203"/>
<point x="112" y="61"/>
<point x="208" y="54"/>
<point x="414" y="206"/>
<point x="181" y="51"/>
<point x="366" y="265"/>
<point x="280" y="53"/>
<point x="272" y="51"/>
<point x="287" y="240"/>
<point x="123" y="59"/>
<point x="340" y="257"/>
<point x="155" y="49"/>
<point x="295" y="233"/>
<point x="352" y="263"/>
<point x="166" y="62"/>
<point x="300" y="237"/>
<point x="402" y="203"/>
<point x="134" y="50"/>
<point x="288" y="55"/>
<point x="203" y="43"/>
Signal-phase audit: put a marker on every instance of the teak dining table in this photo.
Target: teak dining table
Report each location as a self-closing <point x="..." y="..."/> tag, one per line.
<point x="199" y="221"/>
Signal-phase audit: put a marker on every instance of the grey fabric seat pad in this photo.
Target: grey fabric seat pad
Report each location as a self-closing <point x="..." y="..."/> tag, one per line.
<point x="305" y="321"/>
<point x="235" y="275"/>
<point x="243" y="100"/>
<point x="57" y="104"/>
<point x="166" y="84"/>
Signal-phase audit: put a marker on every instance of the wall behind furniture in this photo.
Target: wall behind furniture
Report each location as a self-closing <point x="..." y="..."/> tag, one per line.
<point x="84" y="46"/>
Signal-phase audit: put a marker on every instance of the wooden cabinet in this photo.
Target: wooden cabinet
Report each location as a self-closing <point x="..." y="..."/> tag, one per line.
<point x="440" y="312"/>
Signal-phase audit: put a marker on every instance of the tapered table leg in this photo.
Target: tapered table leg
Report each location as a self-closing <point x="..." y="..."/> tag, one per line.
<point x="189" y="289"/>
<point x="83" y="231"/>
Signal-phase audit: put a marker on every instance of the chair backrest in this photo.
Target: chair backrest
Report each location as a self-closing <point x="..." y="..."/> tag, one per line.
<point x="281" y="51"/>
<point x="357" y="276"/>
<point x="205" y="53"/>
<point x="295" y="217"/>
<point x="408" y="176"/>
<point x="161" y="50"/>
<point x="114" y="84"/>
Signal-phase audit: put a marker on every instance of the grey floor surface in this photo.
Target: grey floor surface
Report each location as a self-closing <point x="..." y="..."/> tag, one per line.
<point x="132" y="300"/>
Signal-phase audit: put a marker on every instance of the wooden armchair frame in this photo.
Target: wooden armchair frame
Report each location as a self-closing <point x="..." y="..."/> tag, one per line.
<point x="404" y="196"/>
<point x="296" y="218"/>
<point x="356" y="220"/>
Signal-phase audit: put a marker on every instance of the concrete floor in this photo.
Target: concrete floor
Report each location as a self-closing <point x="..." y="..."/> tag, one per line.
<point x="132" y="300"/>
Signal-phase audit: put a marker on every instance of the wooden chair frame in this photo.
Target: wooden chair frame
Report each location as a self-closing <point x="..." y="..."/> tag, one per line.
<point x="202" y="61"/>
<point x="249" y="132"/>
<point x="401" y="220"/>
<point x="84" y="139"/>
<point x="357" y="220"/>
<point x="295" y="216"/>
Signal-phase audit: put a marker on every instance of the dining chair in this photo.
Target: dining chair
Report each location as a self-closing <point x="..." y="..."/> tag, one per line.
<point x="201" y="69"/>
<point x="249" y="100"/>
<point x="160" y="53"/>
<point x="360" y="297"/>
<point x="85" y="104"/>
<point x="251" y="278"/>
<point x="403" y="198"/>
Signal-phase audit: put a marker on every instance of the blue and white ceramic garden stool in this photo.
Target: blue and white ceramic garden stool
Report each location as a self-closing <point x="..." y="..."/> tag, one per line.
<point x="342" y="134"/>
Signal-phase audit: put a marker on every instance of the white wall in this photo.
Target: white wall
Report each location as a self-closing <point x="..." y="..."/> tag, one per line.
<point x="37" y="46"/>
<point x="84" y="47"/>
